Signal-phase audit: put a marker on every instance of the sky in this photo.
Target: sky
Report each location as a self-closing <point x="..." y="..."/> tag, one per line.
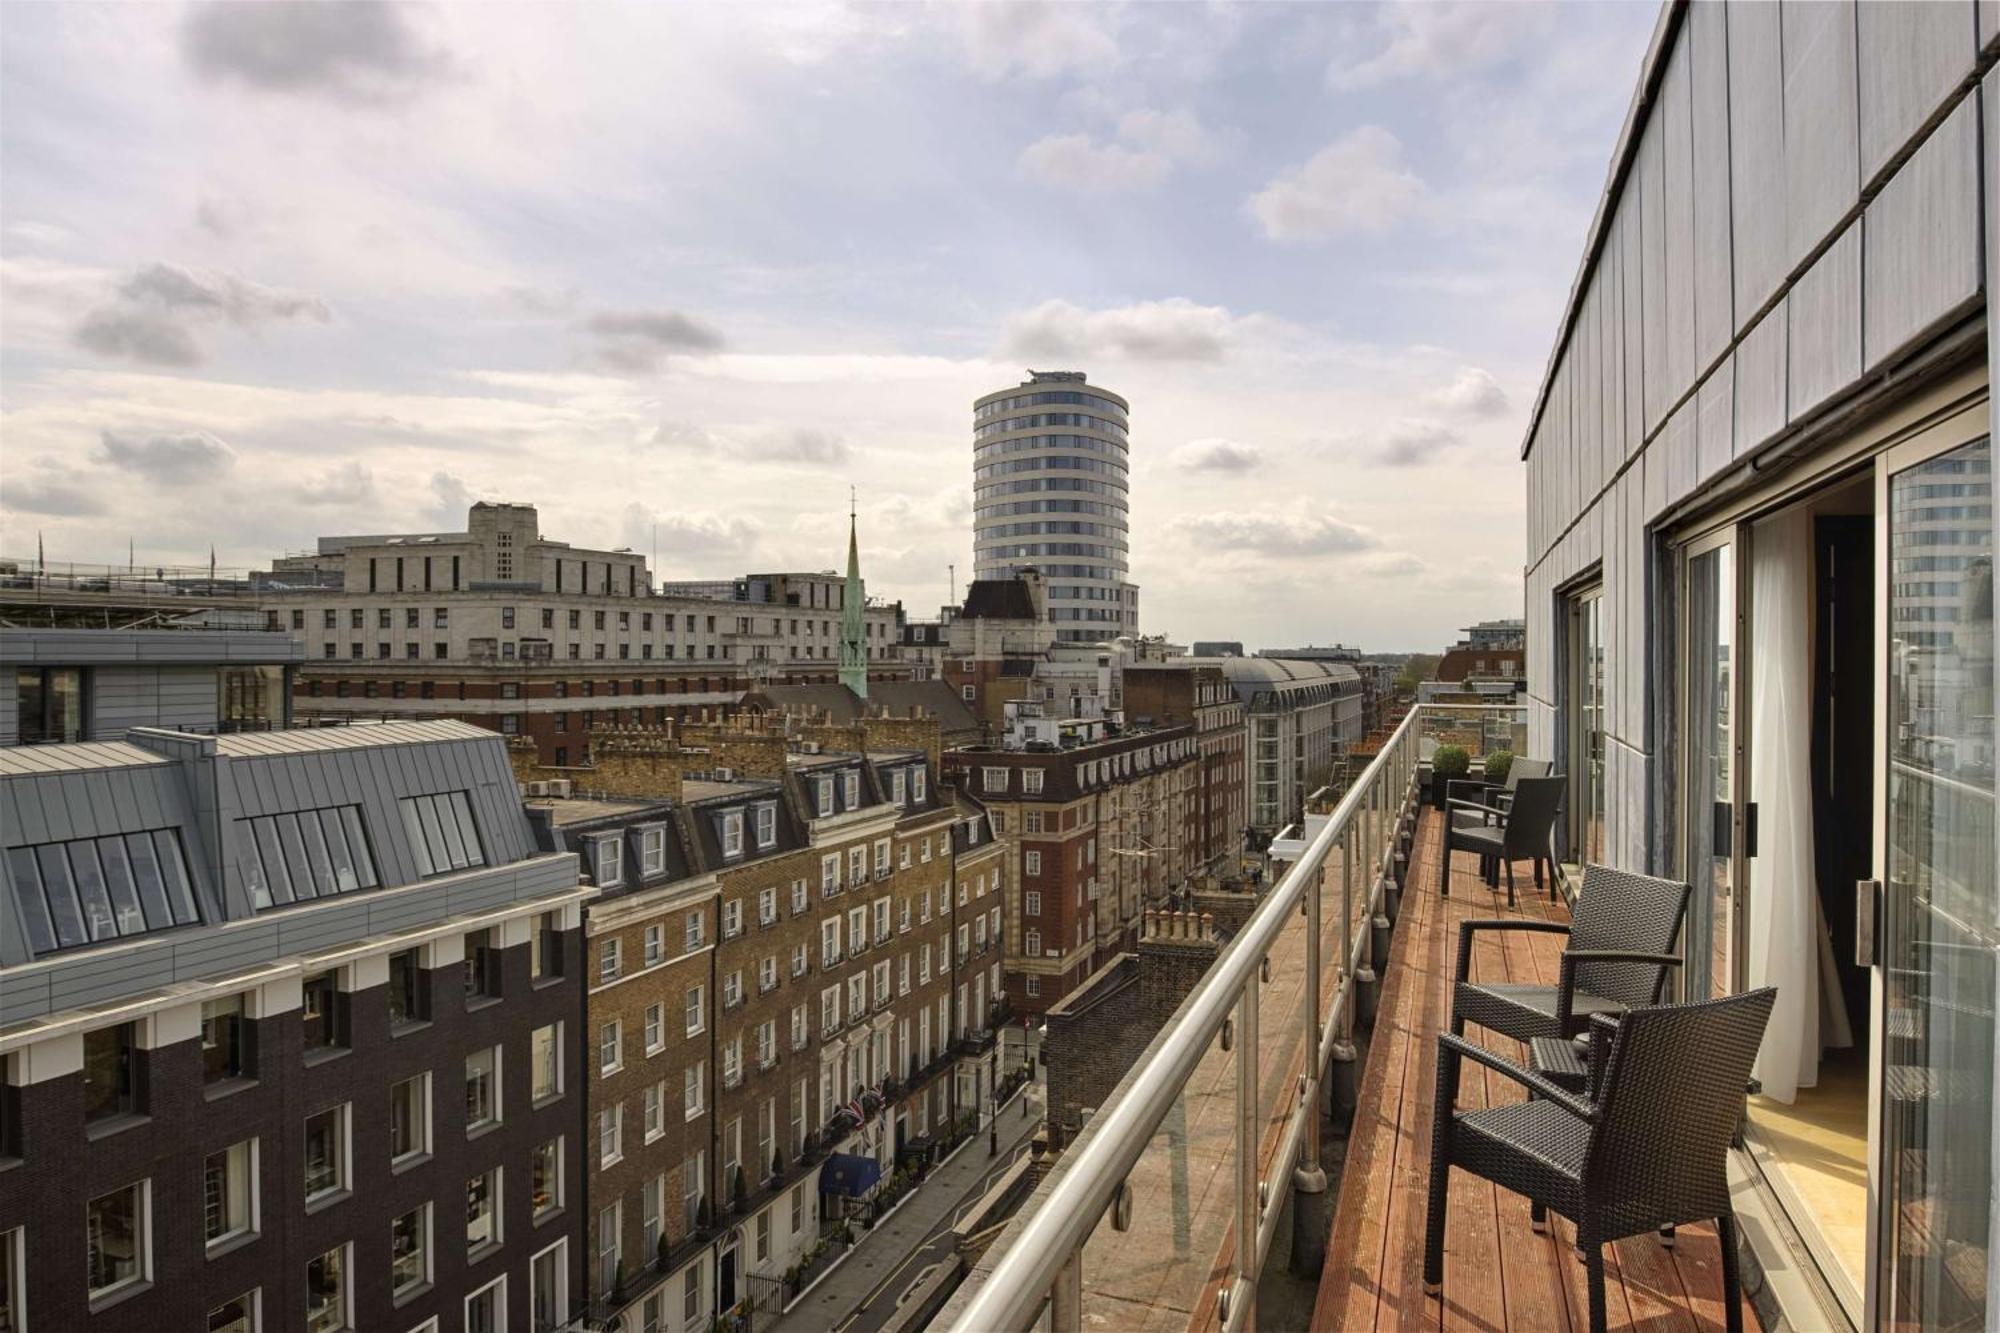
<point x="683" y="274"/>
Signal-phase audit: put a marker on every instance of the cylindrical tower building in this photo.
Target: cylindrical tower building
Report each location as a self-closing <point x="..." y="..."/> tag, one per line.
<point x="1050" y="463"/>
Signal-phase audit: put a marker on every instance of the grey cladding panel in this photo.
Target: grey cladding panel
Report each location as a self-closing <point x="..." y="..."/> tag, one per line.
<point x="1911" y="57"/>
<point x="1713" y="299"/>
<point x="1989" y="26"/>
<point x="1677" y="154"/>
<point x="1715" y="421"/>
<point x="1653" y="270"/>
<point x="1822" y="159"/>
<point x="1756" y="153"/>
<point x="1679" y="439"/>
<point x="1760" y="381"/>
<point x="1825" y="308"/>
<point x="1922" y="238"/>
<point x="1631" y="299"/>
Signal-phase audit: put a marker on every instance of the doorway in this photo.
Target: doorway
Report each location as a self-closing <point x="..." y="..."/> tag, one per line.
<point x="725" y="1281"/>
<point x="1779" y="748"/>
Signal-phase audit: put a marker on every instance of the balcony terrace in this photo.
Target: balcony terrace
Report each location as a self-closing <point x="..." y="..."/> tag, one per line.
<point x="1215" y="1135"/>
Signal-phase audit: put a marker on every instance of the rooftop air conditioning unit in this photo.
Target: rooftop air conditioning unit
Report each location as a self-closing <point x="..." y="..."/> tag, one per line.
<point x="725" y="775"/>
<point x="538" y="789"/>
<point x="559" y="787"/>
<point x="808" y="747"/>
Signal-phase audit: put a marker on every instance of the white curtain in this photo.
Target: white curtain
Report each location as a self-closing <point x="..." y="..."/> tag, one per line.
<point x="1788" y="945"/>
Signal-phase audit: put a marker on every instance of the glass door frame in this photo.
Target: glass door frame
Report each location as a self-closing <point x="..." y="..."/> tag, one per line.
<point x="1736" y="536"/>
<point x="1951" y="431"/>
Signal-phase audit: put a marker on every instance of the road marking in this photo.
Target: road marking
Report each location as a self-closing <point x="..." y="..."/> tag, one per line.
<point x="918" y="1281"/>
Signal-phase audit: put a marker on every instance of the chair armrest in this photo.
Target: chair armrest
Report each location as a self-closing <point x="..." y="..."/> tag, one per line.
<point x="1465" y="789"/>
<point x="1466" y="930"/>
<point x="1455" y="803"/>
<point x="1528" y="1079"/>
<point x="1572" y="958"/>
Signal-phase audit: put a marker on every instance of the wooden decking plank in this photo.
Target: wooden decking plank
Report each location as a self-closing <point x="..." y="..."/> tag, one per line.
<point x="1425" y="965"/>
<point x="1474" y="1290"/>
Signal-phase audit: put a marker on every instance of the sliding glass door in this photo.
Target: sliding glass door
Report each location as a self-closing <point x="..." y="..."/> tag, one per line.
<point x="1940" y="916"/>
<point x="1711" y="639"/>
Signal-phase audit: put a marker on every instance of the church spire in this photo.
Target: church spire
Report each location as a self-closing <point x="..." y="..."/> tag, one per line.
<point x="853" y="636"/>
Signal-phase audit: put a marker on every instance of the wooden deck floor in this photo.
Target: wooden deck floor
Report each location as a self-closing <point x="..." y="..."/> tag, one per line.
<point x="1498" y="1273"/>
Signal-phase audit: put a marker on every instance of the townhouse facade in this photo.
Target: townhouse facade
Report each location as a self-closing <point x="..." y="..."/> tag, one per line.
<point x="1099" y="831"/>
<point x="794" y="956"/>
<point x="1201" y="696"/>
<point x="282" y="1036"/>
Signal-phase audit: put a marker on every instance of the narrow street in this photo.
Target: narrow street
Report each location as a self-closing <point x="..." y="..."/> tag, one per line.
<point x="865" y="1290"/>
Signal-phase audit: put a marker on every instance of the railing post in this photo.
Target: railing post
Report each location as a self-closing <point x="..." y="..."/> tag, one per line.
<point x="1246" y="1160"/>
<point x="1066" y="1297"/>
<point x="1344" y="1087"/>
<point x="1309" y="1196"/>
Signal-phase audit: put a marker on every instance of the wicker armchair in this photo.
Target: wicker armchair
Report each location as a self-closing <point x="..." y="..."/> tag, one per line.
<point x="1650" y="1153"/>
<point x="1473" y="804"/>
<point x="1521" y="830"/>
<point x="1622" y="937"/>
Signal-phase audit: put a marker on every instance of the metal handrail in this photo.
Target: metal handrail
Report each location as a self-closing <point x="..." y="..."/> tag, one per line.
<point x="1045" y="1261"/>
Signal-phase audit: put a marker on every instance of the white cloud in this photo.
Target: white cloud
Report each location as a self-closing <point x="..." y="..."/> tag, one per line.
<point x="640" y="341"/>
<point x="1078" y="162"/>
<point x="1171" y="330"/>
<point x="709" y="537"/>
<point x="1150" y="146"/>
<point x="1437" y="40"/>
<point x="170" y="460"/>
<point x="350" y="483"/>
<point x="155" y="313"/>
<point x="1217" y="455"/>
<point x="1271" y="533"/>
<point x="1410" y="442"/>
<point x="349" y="50"/>
<point x="1357" y="183"/>
<point x="1040" y="39"/>
<point x="1474" y="393"/>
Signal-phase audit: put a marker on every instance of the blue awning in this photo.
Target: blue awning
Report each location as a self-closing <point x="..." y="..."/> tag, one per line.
<point x="849" y="1174"/>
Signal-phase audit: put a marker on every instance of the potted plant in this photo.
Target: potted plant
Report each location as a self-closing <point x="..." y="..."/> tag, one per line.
<point x="618" y="1284"/>
<point x="703" y="1214"/>
<point x="739" y="1194"/>
<point x="1448" y="764"/>
<point x="1498" y="762"/>
<point x="663" y="1253"/>
<point x="777" y="1165"/>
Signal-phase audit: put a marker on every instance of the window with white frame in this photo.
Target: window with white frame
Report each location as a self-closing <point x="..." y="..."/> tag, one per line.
<point x="993" y="779"/>
<point x="410" y="1119"/>
<point x="732" y="989"/>
<point x="829" y="874"/>
<point x="696" y="1010"/>
<point x="767" y="974"/>
<point x="881" y="857"/>
<point x="881" y="920"/>
<point x="653" y="1111"/>
<point x="545" y="1052"/>
<point x="903" y="913"/>
<point x="882" y="983"/>
<point x="1032" y="984"/>
<point x="798" y="1027"/>
<point x="857" y="995"/>
<point x="696" y="930"/>
<point x="732" y="1061"/>
<point x="694" y="1187"/>
<point x="857" y="929"/>
<point x="610" y="1048"/>
<point x="1031" y="822"/>
<point x="767" y="825"/>
<point x="1031" y="942"/>
<point x="652" y="851"/>
<point x="857" y="865"/>
<point x="979" y="931"/>
<point x="904" y="856"/>
<point x="1031" y="902"/>
<point x="850" y="784"/>
<point x="545" y="1178"/>
<point x="329" y="1291"/>
<point x="924" y="850"/>
<point x="652" y="1213"/>
<point x="486" y="1309"/>
<point x="326" y="1153"/>
<point x="655" y="1028"/>
<point x="896" y="786"/>
<point x="548" y="1288"/>
<point x="693" y="1090"/>
<point x="611" y="1134"/>
<point x="1031" y="781"/>
<point x="829" y="941"/>
<point x="656" y="944"/>
<point x="732" y="833"/>
<point x="799" y="959"/>
<point x="228" y="1195"/>
<point x="798" y="897"/>
<point x="767" y="1044"/>
<point x="924" y="966"/>
<point x="917" y="783"/>
<point x="1031" y="862"/>
<point x="829" y="1009"/>
<point x="482" y="1210"/>
<point x="610" y="862"/>
<point x="732" y="918"/>
<point x="823" y="796"/>
<point x="410" y="1250"/>
<point x="767" y="907"/>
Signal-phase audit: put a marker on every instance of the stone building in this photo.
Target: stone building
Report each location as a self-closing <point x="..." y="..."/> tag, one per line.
<point x="1102" y="829"/>
<point x="1171" y="694"/>
<point x="514" y="631"/>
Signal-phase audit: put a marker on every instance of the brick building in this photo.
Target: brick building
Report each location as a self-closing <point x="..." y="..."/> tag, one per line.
<point x="787" y="929"/>
<point x="525" y="635"/>
<point x="1103" y="829"/>
<point x="1202" y="697"/>
<point x="284" y="1036"/>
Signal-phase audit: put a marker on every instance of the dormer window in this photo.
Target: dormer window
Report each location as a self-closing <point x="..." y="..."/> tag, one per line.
<point x="917" y="783"/>
<point x="851" y="787"/>
<point x="652" y="851"/>
<point x="610" y="862"/>
<point x="824" y="795"/>
<point x="767" y="825"/>
<point x="896" y="786"/>
<point x="732" y="833"/>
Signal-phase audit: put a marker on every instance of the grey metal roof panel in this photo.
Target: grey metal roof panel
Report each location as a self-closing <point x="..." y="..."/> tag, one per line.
<point x="33" y="760"/>
<point x="303" y="740"/>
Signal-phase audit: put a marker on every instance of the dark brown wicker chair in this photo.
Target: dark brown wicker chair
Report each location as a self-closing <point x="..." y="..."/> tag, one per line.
<point x="1622" y="937"/>
<point x="1521" y="831"/>
<point x="1473" y="804"/>
<point x="1650" y="1153"/>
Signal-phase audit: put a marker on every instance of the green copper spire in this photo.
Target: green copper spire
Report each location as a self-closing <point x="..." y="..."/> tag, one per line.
<point x="853" y="640"/>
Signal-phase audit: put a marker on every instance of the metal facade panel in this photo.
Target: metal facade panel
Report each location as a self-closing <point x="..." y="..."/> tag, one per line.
<point x="1825" y="324"/>
<point x="1631" y="302"/>
<point x="1714" y="300"/>
<point x="1989" y="27"/>
<point x="1679" y="439"/>
<point x="1822" y="156"/>
<point x="1655" y="478"/>
<point x="1921" y="238"/>
<point x="1633" y="588"/>
<point x="1911" y="56"/>
<point x="1611" y="274"/>
<point x="1587" y="351"/>
<point x="1616" y="681"/>
<point x="1715" y="421"/>
<point x="1676" y="117"/>
<point x="1760" y="381"/>
<point x="1756" y="153"/>
<point x="1653" y="270"/>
